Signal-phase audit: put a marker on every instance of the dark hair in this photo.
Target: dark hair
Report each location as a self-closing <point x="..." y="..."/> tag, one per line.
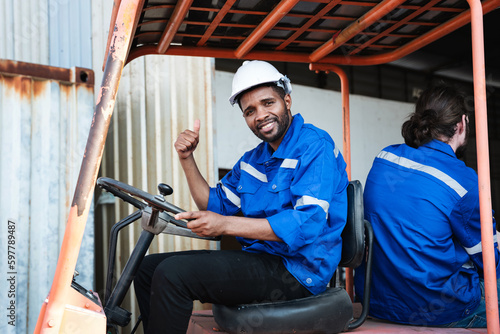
<point x="437" y="112"/>
<point x="277" y="89"/>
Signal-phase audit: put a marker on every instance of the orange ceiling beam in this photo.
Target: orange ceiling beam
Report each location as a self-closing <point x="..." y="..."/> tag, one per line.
<point x="216" y="21"/>
<point x="308" y="24"/>
<point x="395" y="26"/>
<point x="264" y="27"/>
<point x="180" y="11"/>
<point x="376" y="13"/>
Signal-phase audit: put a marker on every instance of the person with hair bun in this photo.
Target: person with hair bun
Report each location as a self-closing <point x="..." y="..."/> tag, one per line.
<point x="423" y="203"/>
<point x="439" y="112"/>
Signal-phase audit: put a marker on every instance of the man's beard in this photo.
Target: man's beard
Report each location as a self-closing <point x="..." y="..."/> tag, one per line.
<point x="282" y="122"/>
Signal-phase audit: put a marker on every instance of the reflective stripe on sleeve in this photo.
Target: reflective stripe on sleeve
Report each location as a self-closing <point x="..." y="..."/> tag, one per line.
<point x="478" y="248"/>
<point x="404" y="162"/>
<point x="308" y="200"/>
<point x="252" y="171"/>
<point x="232" y="197"/>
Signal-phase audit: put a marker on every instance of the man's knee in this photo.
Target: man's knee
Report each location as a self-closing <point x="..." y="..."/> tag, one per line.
<point x="173" y="271"/>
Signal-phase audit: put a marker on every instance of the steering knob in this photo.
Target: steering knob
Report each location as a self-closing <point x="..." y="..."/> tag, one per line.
<point x="165" y="189"/>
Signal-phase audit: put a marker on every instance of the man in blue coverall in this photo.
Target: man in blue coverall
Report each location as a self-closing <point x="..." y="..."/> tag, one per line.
<point x="423" y="203"/>
<point x="291" y="191"/>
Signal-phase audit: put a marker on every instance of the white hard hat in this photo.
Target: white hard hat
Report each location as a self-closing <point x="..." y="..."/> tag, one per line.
<point x="256" y="72"/>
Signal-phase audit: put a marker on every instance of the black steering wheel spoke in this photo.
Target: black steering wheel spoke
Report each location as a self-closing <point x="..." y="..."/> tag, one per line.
<point x="141" y="199"/>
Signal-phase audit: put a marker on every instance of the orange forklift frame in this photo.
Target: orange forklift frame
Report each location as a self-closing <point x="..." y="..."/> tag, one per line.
<point x="127" y="41"/>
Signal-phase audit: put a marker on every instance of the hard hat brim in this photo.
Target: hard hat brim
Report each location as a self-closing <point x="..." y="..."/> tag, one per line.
<point x="234" y="98"/>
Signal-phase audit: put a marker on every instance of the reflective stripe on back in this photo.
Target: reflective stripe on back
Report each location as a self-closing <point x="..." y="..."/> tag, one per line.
<point x="443" y="177"/>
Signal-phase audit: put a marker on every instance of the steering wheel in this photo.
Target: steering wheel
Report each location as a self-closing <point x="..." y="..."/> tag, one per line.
<point x="128" y="193"/>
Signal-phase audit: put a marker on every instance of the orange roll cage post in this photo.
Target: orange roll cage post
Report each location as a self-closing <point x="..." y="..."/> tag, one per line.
<point x="372" y="35"/>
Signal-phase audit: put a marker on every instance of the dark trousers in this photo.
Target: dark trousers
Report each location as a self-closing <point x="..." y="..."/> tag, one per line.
<point x="167" y="284"/>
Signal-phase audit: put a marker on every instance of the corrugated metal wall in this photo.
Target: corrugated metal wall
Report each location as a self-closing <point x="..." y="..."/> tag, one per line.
<point x="45" y="115"/>
<point x="158" y="98"/>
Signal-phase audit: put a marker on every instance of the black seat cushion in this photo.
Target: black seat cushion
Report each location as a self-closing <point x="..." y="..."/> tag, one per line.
<point x="328" y="312"/>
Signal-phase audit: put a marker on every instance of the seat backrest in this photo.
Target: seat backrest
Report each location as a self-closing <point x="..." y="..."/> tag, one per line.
<point x="353" y="235"/>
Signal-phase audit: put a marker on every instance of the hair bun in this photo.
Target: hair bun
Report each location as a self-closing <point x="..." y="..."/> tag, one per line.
<point x="419" y="128"/>
<point x="437" y="112"/>
<point x="427" y="120"/>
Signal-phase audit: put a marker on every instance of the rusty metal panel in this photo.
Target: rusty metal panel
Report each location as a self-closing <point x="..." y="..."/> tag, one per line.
<point x="45" y="114"/>
<point x="159" y="97"/>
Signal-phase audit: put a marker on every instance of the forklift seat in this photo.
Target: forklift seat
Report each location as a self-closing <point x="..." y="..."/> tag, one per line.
<point x="327" y="312"/>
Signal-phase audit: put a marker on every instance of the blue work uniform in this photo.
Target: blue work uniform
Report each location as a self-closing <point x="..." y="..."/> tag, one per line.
<point x="424" y="207"/>
<point x="301" y="190"/>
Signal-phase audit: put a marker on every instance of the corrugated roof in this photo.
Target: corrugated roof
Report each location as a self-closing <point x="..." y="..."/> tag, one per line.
<point x="312" y="31"/>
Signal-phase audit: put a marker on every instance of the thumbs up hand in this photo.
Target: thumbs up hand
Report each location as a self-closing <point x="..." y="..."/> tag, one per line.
<point x="187" y="141"/>
<point x="196" y="126"/>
